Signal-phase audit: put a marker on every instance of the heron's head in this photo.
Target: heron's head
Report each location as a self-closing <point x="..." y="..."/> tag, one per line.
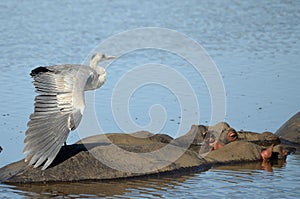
<point x="98" y="57"/>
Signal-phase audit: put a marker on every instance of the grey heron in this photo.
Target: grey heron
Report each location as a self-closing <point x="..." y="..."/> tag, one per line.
<point x="59" y="106"/>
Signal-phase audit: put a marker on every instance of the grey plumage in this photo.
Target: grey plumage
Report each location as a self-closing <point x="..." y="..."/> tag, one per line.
<point x="59" y="106"/>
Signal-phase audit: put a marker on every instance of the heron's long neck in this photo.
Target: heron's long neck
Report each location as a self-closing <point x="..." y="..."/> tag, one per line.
<point x="94" y="64"/>
<point x="96" y="80"/>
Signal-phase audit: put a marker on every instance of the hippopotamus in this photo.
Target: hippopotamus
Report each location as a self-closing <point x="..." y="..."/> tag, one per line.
<point x="121" y="155"/>
<point x="221" y="144"/>
<point x="289" y="132"/>
<point x="110" y="156"/>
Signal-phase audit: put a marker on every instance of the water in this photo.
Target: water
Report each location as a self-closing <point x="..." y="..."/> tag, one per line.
<point x="255" y="46"/>
<point x="243" y="181"/>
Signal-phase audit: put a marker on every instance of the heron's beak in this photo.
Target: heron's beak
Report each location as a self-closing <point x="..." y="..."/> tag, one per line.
<point x="110" y="57"/>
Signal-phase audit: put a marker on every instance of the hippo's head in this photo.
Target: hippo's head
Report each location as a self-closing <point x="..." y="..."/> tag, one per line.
<point x="217" y="139"/>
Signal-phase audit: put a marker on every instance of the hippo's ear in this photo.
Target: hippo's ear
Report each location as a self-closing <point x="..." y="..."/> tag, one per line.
<point x="266" y="154"/>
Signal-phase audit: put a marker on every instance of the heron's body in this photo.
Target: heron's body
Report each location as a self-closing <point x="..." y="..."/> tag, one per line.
<point x="58" y="106"/>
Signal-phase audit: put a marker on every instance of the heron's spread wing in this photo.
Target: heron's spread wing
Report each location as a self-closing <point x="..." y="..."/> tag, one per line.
<point x="58" y="110"/>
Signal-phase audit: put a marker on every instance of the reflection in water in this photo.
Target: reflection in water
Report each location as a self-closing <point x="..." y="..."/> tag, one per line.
<point x="255" y="166"/>
<point x="153" y="186"/>
<point x="150" y="186"/>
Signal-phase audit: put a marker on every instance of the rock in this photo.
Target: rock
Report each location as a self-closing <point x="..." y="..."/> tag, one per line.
<point x="289" y="132"/>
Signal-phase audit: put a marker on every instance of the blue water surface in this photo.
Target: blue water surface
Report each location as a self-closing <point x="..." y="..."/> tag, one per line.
<point x="254" y="44"/>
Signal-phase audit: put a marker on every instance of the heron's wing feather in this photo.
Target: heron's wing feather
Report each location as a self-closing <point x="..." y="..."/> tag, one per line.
<point x="58" y="109"/>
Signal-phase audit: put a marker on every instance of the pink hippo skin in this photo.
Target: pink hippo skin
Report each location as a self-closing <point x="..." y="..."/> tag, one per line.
<point x="227" y="136"/>
<point x="230" y="135"/>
